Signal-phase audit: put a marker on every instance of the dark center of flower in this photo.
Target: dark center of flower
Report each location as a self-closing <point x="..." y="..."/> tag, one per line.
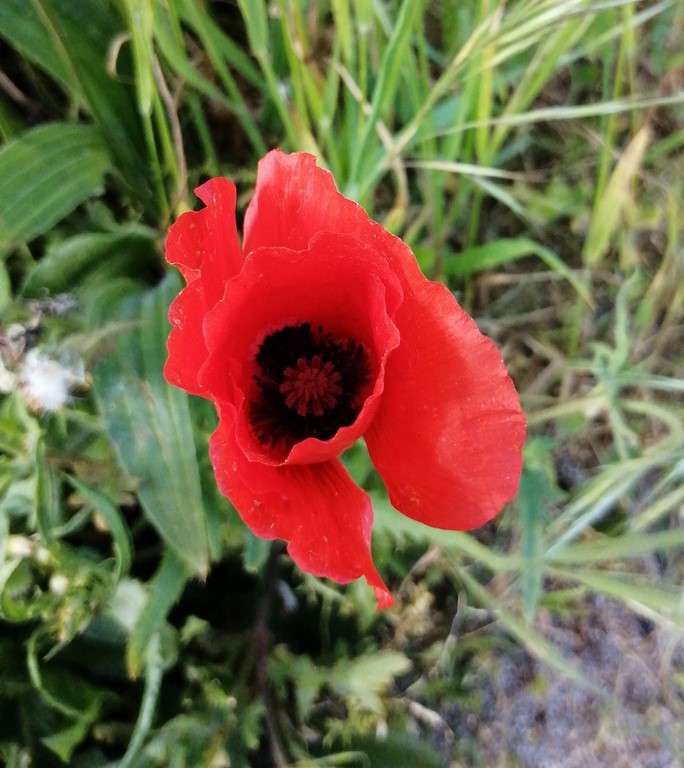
<point x="312" y="386"/>
<point x="309" y="384"/>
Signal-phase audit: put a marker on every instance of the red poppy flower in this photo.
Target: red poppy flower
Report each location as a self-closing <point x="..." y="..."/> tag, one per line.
<point x="320" y="330"/>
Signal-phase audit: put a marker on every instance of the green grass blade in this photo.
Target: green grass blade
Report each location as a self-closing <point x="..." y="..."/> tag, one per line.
<point x="115" y="522"/>
<point x="537" y="489"/>
<point x="535" y="642"/>
<point x="389" y="522"/>
<point x="656" y="601"/>
<point x="222" y="52"/>
<point x="254" y="13"/>
<point x="615" y="197"/>
<point x="574" y="112"/>
<point x="491" y="255"/>
<point x="154" y="674"/>
<point x="386" y="85"/>
<point x="165" y="589"/>
<point x="624" y="547"/>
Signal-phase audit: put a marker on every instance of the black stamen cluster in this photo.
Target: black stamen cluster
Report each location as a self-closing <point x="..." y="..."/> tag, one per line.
<point x="273" y="422"/>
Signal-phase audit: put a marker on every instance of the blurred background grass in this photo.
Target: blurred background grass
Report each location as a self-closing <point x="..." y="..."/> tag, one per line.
<point x="530" y="152"/>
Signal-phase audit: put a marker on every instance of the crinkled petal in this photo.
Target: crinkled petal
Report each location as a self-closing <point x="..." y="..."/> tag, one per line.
<point x="294" y="199"/>
<point x="204" y="246"/>
<point x="317" y="508"/>
<point x="186" y="346"/>
<point x="448" y="436"/>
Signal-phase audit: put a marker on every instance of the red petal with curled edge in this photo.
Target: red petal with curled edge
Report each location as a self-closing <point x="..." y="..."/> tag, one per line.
<point x="186" y="347"/>
<point x="204" y="246"/>
<point x="317" y="508"/>
<point x="448" y="436"/>
<point x="340" y="284"/>
<point x="294" y="199"/>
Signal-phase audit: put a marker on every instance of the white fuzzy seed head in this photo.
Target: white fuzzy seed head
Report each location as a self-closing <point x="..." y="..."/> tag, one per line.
<point x="46" y="382"/>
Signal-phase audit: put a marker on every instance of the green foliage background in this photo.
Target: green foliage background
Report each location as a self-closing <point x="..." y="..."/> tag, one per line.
<point x="530" y="152"/>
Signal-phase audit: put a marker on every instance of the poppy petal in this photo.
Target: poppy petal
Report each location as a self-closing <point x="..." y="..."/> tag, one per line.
<point x="293" y="200"/>
<point x="317" y="508"/>
<point x="448" y="435"/>
<point x="204" y="246"/>
<point x="186" y="346"/>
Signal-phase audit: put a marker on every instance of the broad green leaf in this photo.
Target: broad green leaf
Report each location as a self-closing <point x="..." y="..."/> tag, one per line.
<point x="22" y="25"/>
<point x="92" y="258"/>
<point x="123" y="611"/>
<point x="70" y="41"/>
<point x="19" y="497"/>
<point x="11" y="124"/>
<point x="19" y="601"/>
<point x="45" y="174"/>
<point x="149" y="424"/>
